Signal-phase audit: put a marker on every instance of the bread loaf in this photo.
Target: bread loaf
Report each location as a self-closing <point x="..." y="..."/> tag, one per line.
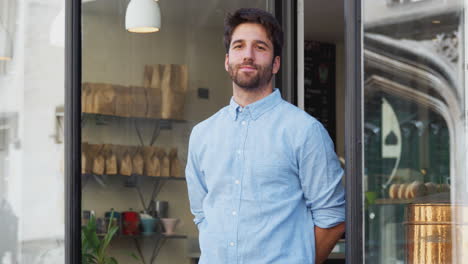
<point x="402" y="191"/>
<point x="415" y="189"/>
<point x="393" y="191"/>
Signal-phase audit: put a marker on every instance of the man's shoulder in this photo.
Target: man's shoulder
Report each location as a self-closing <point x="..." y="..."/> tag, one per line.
<point x="295" y="116"/>
<point x="207" y="124"/>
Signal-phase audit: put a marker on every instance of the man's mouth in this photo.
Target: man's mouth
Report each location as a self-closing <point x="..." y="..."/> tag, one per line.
<point x="247" y="68"/>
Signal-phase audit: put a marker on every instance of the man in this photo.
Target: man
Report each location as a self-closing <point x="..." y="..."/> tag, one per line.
<point x="264" y="182"/>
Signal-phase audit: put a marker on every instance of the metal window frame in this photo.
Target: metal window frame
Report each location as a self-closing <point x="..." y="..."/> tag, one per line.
<point x="353" y="131"/>
<point x="73" y="132"/>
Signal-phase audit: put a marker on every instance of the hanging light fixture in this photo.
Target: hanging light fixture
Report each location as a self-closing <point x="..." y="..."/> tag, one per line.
<point x="143" y="16"/>
<point x="6" y="49"/>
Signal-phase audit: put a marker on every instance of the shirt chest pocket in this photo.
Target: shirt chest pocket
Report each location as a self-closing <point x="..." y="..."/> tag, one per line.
<point x="275" y="181"/>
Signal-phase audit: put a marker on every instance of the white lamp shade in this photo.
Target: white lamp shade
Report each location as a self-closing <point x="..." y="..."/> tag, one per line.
<point x="143" y="16"/>
<point x="6" y="49"/>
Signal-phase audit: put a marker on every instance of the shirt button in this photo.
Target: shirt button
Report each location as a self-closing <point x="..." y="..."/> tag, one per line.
<point x="234" y="213"/>
<point x="240" y="110"/>
<point x="237" y="181"/>
<point x="231" y="244"/>
<point x="243" y="123"/>
<point x="239" y="152"/>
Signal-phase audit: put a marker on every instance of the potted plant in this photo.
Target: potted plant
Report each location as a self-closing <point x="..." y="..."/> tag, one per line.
<point x="93" y="248"/>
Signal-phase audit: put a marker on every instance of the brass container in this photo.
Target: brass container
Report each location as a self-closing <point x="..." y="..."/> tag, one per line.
<point x="429" y="233"/>
<point x="436" y="233"/>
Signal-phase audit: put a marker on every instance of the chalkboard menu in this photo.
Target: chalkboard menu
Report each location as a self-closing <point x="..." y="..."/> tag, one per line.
<point x="319" y="83"/>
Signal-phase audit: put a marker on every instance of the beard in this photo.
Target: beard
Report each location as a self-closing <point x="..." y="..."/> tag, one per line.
<point x="251" y="80"/>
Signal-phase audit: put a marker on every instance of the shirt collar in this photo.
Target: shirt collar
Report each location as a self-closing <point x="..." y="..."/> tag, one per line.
<point x="257" y="108"/>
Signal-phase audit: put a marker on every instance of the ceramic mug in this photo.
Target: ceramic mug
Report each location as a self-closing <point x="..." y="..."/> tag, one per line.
<point x="170" y="225"/>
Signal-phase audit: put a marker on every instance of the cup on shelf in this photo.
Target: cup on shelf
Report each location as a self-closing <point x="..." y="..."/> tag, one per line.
<point x="148" y="225"/>
<point x="170" y="225"/>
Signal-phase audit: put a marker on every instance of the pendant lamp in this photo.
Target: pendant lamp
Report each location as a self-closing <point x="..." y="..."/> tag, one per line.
<point x="143" y="16"/>
<point x="6" y="49"/>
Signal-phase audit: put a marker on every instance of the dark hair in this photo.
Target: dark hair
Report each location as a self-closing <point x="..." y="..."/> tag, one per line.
<point x="258" y="16"/>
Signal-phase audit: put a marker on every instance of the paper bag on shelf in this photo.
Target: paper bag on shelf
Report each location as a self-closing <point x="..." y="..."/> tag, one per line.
<point x="152" y="164"/>
<point x="124" y="160"/>
<point x="175" y="169"/>
<point x="86" y="98"/>
<point x="91" y="152"/>
<point x="104" y="97"/>
<point x="123" y="101"/>
<point x="139" y="107"/>
<point x="152" y="83"/>
<point x="165" y="163"/>
<point x="99" y="162"/>
<point x="173" y="87"/>
<point x="111" y="159"/>
<point x="138" y="162"/>
<point x="84" y="157"/>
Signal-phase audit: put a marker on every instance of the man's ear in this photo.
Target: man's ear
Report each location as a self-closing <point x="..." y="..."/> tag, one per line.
<point x="276" y="65"/>
<point x="226" y="62"/>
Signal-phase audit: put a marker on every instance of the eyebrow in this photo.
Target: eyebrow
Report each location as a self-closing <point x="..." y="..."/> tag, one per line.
<point x="256" y="41"/>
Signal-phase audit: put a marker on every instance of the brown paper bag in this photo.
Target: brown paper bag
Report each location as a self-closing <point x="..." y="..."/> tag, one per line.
<point x="137" y="162"/>
<point x="175" y="169"/>
<point x="152" y="164"/>
<point x="92" y="151"/>
<point x="139" y="106"/>
<point x="86" y="98"/>
<point x="111" y="159"/>
<point x="124" y="160"/>
<point x="99" y="162"/>
<point x="173" y="87"/>
<point x="104" y="97"/>
<point x="123" y="102"/>
<point x="84" y="157"/>
<point x="164" y="162"/>
<point x="152" y="83"/>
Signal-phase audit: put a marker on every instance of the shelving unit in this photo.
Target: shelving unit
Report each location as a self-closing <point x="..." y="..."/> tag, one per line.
<point x="138" y="182"/>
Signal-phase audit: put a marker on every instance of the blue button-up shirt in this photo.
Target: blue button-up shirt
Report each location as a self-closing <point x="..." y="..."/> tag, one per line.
<point x="259" y="179"/>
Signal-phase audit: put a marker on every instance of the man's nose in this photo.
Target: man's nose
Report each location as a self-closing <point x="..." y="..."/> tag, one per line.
<point x="248" y="54"/>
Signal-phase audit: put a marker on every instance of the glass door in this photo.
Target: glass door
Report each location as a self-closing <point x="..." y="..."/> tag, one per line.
<point x="414" y="176"/>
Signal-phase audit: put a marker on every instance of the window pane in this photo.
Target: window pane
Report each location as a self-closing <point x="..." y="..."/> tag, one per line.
<point x="414" y="121"/>
<point x="31" y="131"/>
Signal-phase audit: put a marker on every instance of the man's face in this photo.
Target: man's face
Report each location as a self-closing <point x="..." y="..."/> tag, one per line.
<point x="250" y="59"/>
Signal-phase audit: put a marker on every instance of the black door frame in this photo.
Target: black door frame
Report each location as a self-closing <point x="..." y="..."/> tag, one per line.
<point x="72" y="131"/>
<point x="353" y="130"/>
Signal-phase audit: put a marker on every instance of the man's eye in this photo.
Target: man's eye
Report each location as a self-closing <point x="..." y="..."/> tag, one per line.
<point x="261" y="48"/>
<point x="236" y="47"/>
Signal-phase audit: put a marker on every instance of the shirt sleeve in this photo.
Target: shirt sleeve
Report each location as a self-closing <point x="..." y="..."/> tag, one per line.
<point x="195" y="181"/>
<point x="321" y="177"/>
